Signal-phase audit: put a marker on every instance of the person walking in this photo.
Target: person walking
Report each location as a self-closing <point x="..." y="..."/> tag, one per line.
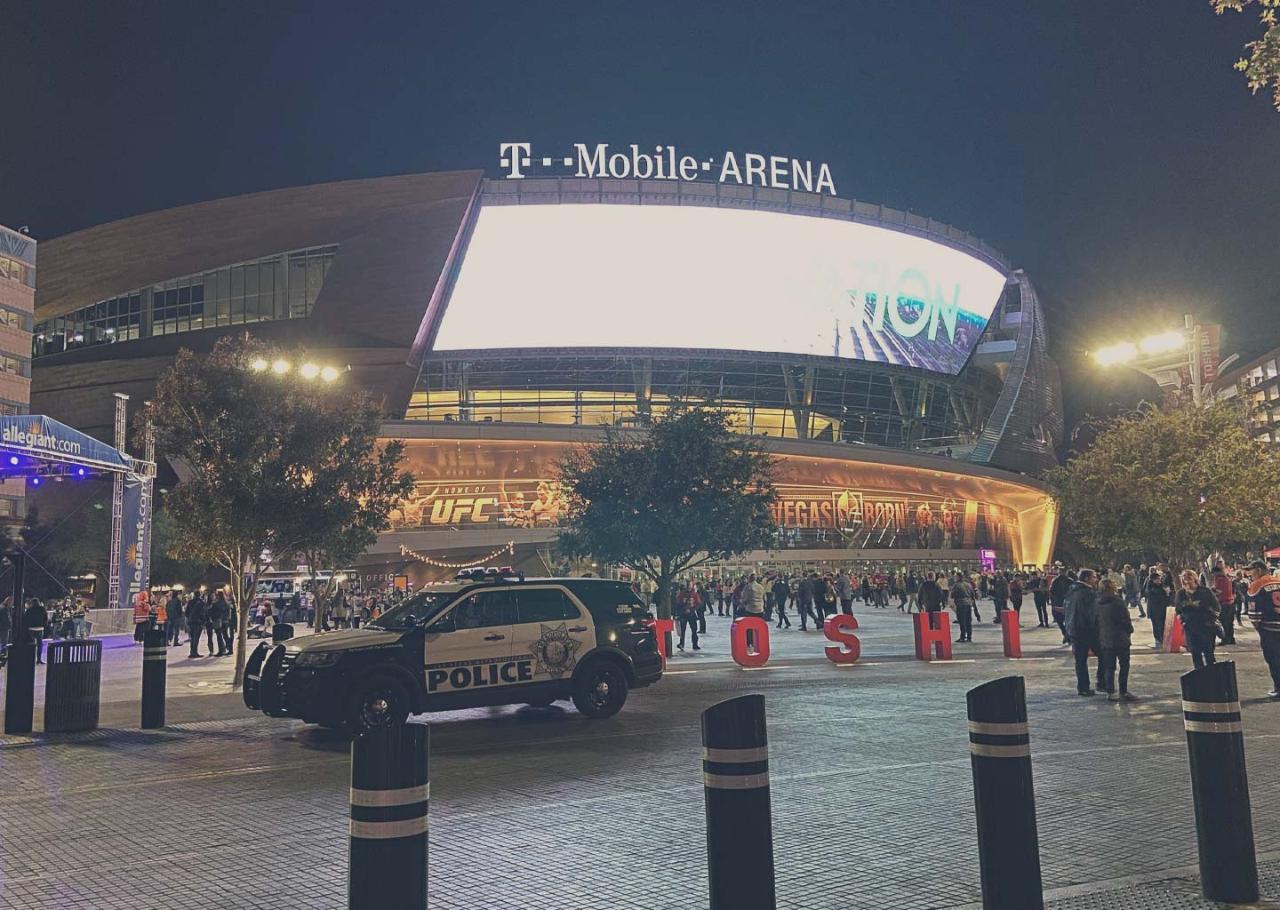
<point x="999" y="594"/>
<point x="1115" y="631"/>
<point x="1040" y="596"/>
<point x="197" y="617"/>
<point x="1132" y="589"/>
<point x="1082" y="628"/>
<point x="217" y="623"/>
<point x="753" y="596"/>
<point x="930" y="594"/>
<point x="804" y="604"/>
<point x="687" y="615"/>
<point x="1264" y="612"/>
<point x="1015" y="594"/>
<point x="1197" y="607"/>
<point x="1225" y="591"/>
<point x="37" y="618"/>
<point x="173" y="619"/>
<point x="913" y="590"/>
<point x="1159" y="595"/>
<point x="781" y="591"/>
<point x="844" y="591"/>
<point x="963" y="598"/>
<point x="1058" y="589"/>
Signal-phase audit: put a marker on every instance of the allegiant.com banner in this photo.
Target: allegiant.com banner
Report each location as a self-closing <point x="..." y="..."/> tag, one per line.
<point x="662" y="276"/>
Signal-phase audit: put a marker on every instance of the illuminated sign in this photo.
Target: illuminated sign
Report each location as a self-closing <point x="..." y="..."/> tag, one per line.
<point x="499" y="503"/>
<point x="665" y="162"/>
<point x="665" y="276"/>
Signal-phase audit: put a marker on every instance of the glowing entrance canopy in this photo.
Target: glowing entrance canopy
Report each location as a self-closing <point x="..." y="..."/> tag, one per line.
<point x="662" y="276"/>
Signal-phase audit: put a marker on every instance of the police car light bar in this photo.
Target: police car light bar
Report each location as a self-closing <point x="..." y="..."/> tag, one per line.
<point x="491" y="573"/>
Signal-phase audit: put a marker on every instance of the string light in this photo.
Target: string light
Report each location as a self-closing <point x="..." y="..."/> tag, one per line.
<point x="509" y="547"/>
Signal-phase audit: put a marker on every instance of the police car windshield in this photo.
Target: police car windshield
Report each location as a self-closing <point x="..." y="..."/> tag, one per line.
<point x="413" y="612"/>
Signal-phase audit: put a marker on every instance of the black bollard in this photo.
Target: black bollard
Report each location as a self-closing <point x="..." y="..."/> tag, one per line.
<point x="735" y="776"/>
<point x="390" y="790"/>
<point x="1219" y="784"/>
<point x="155" y="664"/>
<point x="1003" y="795"/>
<point x="20" y="680"/>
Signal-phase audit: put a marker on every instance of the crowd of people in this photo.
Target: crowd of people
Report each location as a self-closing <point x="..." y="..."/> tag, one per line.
<point x="1092" y="610"/>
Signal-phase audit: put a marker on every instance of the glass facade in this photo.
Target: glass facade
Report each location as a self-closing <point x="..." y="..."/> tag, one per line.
<point x="281" y="286"/>
<point x="766" y="397"/>
<point x="17" y="271"/>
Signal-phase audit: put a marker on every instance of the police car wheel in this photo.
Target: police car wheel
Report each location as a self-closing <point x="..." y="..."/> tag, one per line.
<point x="377" y="702"/>
<point x="600" y="690"/>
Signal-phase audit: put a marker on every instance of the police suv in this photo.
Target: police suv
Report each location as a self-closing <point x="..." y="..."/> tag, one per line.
<point x="492" y="638"/>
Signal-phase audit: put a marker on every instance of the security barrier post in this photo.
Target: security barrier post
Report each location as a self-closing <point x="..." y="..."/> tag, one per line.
<point x="155" y="663"/>
<point x="1219" y="784"/>
<point x="390" y="791"/>
<point x="735" y="776"/>
<point x="1003" y="795"/>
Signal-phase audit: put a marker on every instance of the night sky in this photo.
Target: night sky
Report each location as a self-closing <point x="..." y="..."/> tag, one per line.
<point x="1106" y="146"/>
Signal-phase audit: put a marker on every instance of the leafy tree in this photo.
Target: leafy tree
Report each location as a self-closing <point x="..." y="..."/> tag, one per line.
<point x="78" y="542"/>
<point x="166" y="568"/>
<point x="1176" y="485"/>
<point x="268" y="462"/>
<point x="1262" y="67"/>
<point x="688" y="491"/>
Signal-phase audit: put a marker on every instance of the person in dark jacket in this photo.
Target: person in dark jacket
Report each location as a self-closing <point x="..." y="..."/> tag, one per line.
<point x="37" y="618"/>
<point x="1058" y="589"/>
<point x="1264" y="612"/>
<point x="1115" y="630"/>
<point x="1225" y="590"/>
<point x="1000" y="594"/>
<point x="963" y="598"/>
<point x="781" y="591"/>
<point x="930" y="594"/>
<point x="1158" y="591"/>
<point x="1197" y="607"/>
<point x="197" y="619"/>
<point x="219" y="617"/>
<point x="1082" y="628"/>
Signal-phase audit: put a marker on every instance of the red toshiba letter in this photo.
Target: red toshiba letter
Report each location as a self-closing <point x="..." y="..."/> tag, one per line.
<point x="1011" y="633"/>
<point x="840" y="628"/>
<point x="749" y="641"/>
<point x="662" y="629"/>
<point x="933" y="635"/>
<point x="1174" y="638"/>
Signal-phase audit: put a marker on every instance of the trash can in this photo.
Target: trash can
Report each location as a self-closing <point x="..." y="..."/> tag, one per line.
<point x="72" y="686"/>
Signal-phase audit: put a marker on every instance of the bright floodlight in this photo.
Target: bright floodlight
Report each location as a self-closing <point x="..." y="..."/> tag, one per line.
<point x="329" y="374"/>
<point x="258" y="364"/>
<point x="309" y="371"/>
<point x="280" y="367"/>
<point x="1116" y="353"/>
<point x="1163" y="343"/>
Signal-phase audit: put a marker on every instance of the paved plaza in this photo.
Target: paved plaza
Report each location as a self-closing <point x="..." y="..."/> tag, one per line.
<point x="871" y="789"/>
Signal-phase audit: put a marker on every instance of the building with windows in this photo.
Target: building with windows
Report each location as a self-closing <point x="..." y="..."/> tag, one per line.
<point x="17" y="303"/>
<point x="1256" y="384"/>
<point x="898" y="365"/>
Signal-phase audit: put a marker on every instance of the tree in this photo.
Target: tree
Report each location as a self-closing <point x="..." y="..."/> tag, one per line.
<point x="661" y="502"/>
<point x="1176" y="485"/>
<point x="1262" y="67"/>
<point x="268" y="462"/>
<point x="76" y="543"/>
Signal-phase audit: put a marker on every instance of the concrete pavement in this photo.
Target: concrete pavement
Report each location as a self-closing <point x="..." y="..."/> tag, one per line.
<point x="545" y="809"/>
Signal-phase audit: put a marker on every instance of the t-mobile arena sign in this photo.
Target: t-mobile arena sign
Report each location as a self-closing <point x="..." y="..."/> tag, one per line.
<point x="665" y="162"/>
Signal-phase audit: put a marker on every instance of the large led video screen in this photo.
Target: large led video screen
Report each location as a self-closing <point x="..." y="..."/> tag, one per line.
<point x="660" y="276"/>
